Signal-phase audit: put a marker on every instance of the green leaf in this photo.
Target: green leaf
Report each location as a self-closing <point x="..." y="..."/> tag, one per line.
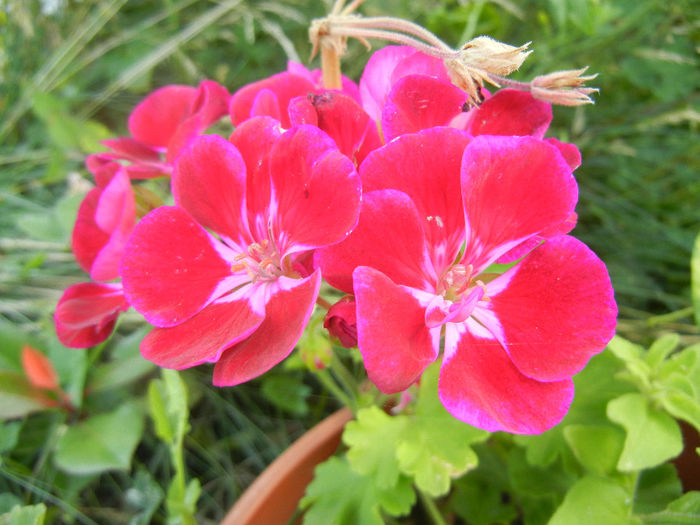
<point x="652" y="436"/>
<point x="145" y="495"/>
<point x="125" y="366"/>
<point x="536" y="481"/>
<point x="695" y="278"/>
<point x="543" y="449"/>
<point x="372" y="439"/>
<point x="436" y="447"/>
<point x="660" y="349"/>
<point x="28" y="515"/>
<point x="656" y="488"/>
<point x="102" y="442"/>
<point x="287" y="392"/>
<point x="9" y="433"/>
<point x="682" y="406"/>
<point x="683" y="511"/>
<point x="596" y="447"/>
<point x="594" y="500"/>
<point x="168" y="405"/>
<point x="71" y="367"/>
<point x="7" y="502"/>
<point x="340" y="495"/>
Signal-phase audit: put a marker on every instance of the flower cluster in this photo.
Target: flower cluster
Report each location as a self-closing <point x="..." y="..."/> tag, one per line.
<point x="444" y="224"/>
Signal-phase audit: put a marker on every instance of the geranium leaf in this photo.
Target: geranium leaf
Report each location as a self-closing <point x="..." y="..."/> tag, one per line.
<point x="656" y="488"/>
<point x="594" y="500"/>
<point x="338" y="494"/>
<point x="103" y="442"/>
<point x="435" y="446"/>
<point x="168" y="405"/>
<point x="661" y="348"/>
<point x="287" y="392"/>
<point x="682" y="406"/>
<point x="27" y="515"/>
<point x="17" y="397"/>
<point x="373" y="438"/>
<point x="596" y="447"/>
<point x="652" y="436"/>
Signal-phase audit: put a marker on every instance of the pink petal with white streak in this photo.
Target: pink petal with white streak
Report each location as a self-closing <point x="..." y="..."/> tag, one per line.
<point x="286" y="314"/>
<point x="171" y="267"/>
<point x="395" y="343"/>
<point x="201" y="338"/>
<point x="209" y="182"/>
<point x="513" y="188"/>
<point x="480" y="386"/>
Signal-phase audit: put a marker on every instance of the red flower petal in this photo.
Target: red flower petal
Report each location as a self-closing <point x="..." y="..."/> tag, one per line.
<point x="418" y="102"/>
<point x="285" y="87"/>
<point x="426" y="166"/>
<point x="395" y="343"/>
<point x="86" y="313"/>
<point x="254" y="139"/>
<point x="513" y="188"/>
<point x="209" y="182"/>
<point x="570" y="152"/>
<point x="511" y="112"/>
<point x="480" y="386"/>
<point x="376" y="80"/>
<point x="38" y="369"/>
<point x="557" y="309"/>
<point x="155" y="120"/>
<point x="105" y="220"/>
<point x="388" y="237"/>
<point x="317" y="189"/>
<point x="171" y="268"/>
<point x="201" y="338"/>
<point x="265" y="104"/>
<point x="286" y="314"/>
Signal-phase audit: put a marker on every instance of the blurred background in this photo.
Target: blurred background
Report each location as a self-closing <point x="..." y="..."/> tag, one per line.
<point x="71" y="71"/>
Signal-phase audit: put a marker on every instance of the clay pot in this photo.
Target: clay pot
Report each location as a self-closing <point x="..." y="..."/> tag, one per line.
<point x="273" y="497"/>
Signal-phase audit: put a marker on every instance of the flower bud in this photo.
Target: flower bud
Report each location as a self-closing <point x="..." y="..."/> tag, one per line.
<point x="341" y="322"/>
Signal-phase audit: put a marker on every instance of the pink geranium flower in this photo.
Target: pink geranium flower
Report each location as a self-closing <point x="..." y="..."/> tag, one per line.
<point x="242" y="295"/>
<point x="439" y="209"/>
<point x="270" y="97"/>
<point x="161" y="125"/>
<point x="87" y="312"/>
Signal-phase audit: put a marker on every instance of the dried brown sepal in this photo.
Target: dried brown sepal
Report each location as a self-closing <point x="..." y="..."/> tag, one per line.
<point x="564" y="87"/>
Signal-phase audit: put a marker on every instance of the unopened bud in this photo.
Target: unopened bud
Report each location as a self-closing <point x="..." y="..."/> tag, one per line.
<point x="341" y="321"/>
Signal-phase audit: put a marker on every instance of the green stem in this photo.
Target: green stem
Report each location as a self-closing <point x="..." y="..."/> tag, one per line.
<point x="327" y="380"/>
<point x="345" y="378"/>
<point x="431" y="508"/>
<point x="672" y="316"/>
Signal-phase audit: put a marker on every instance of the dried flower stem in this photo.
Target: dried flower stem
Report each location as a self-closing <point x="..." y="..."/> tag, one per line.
<point x="479" y="60"/>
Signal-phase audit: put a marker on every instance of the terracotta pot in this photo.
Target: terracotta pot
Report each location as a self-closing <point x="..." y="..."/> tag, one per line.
<point x="273" y="497"/>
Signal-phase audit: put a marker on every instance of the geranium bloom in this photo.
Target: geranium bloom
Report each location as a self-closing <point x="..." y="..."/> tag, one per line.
<point x="87" y="312"/>
<point x="242" y="296"/>
<point x="439" y="208"/>
<point x="270" y="96"/>
<point x="161" y="125"/>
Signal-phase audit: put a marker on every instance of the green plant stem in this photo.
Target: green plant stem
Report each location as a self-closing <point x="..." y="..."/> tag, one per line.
<point x="672" y="316"/>
<point x="345" y="378"/>
<point x="431" y="508"/>
<point x="327" y="380"/>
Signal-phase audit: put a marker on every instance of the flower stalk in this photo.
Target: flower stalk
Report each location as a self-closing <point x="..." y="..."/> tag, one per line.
<point x="481" y="60"/>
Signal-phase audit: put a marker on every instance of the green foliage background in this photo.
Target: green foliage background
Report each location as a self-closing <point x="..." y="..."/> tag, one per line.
<point x="72" y="70"/>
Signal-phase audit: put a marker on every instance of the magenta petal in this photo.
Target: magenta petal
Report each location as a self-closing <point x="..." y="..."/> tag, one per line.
<point x="286" y="314"/>
<point x="426" y="166"/>
<point x="511" y="112"/>
<point x="557" y="309"/>
<point x="209" y="182"/>
<point x="201" y="338"/>
<point x="254" y="139"/>
<point x="376" y="80"/>
<point x="388" y="237"/>
<point x="513" y="188"/>
<point x="302" y="111"/>
<point x="265" y="104"/>
<point x="480" y="386"/>
<point x="395" y="343"/>
<point x="316" y="190"/>
<point x="418" y="102"/>
<point x="210" y="102"/>
<point x="88" y="238"/>
<point x="171" y="267"/>
<point x="570" y="152"/>
<point x="155" y="120"/>
<point x="86" y="313"/>
<point x="133" y="150"/>
<point x="285" y="86"/>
